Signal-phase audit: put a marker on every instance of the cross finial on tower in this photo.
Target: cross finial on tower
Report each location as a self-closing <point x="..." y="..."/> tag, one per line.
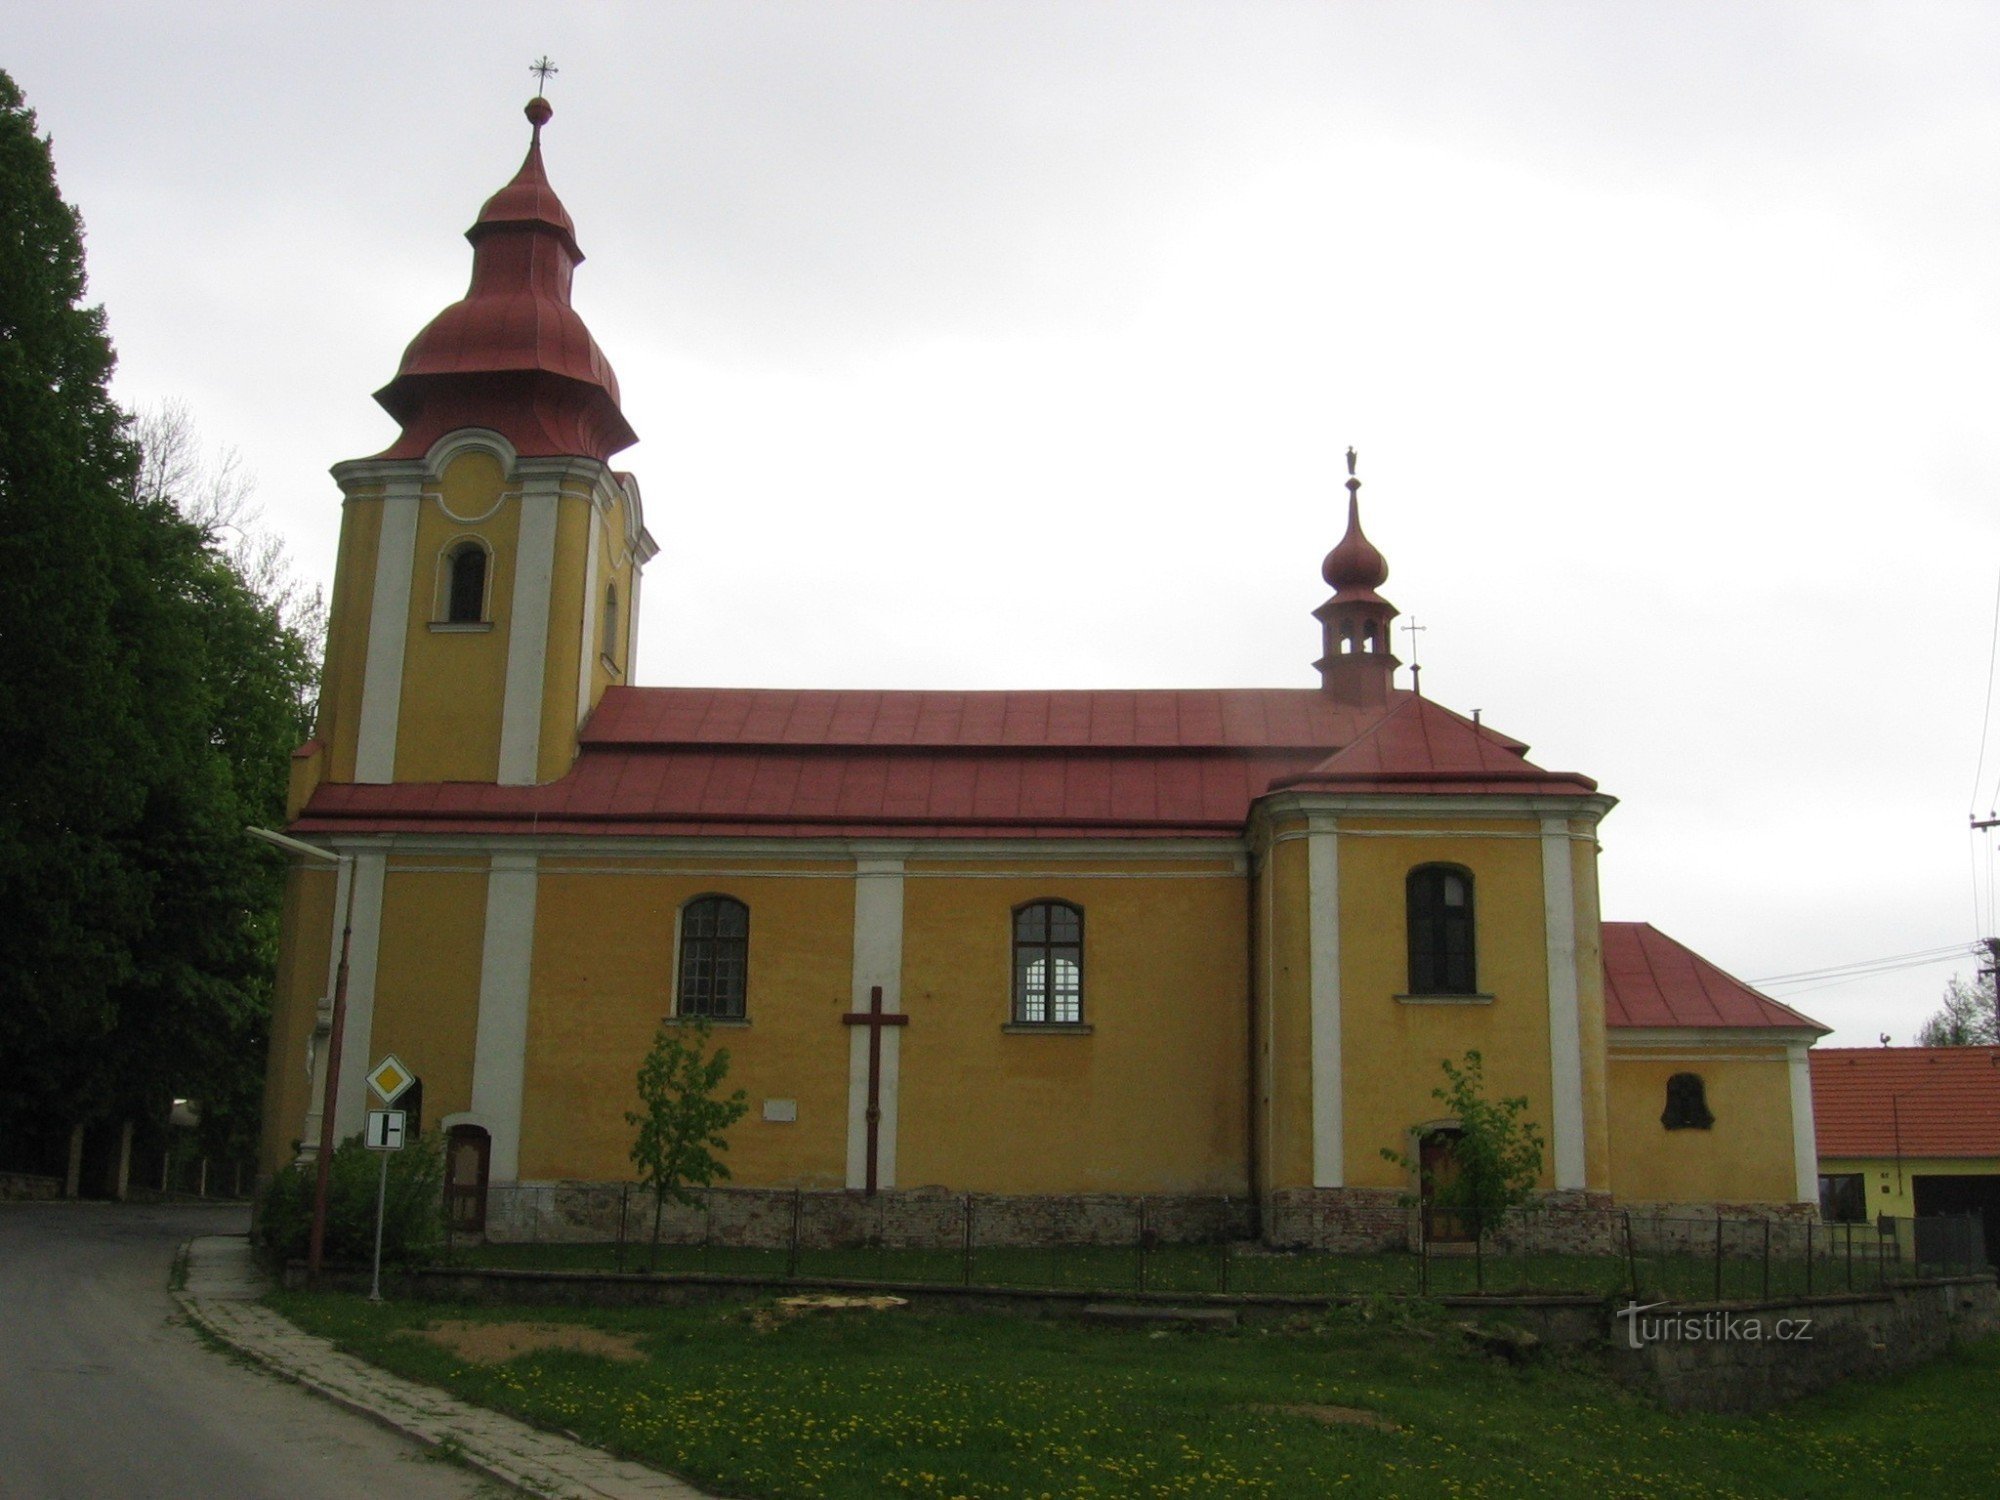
<point x="543" y="70"/>
<point x="1410" y="627"/>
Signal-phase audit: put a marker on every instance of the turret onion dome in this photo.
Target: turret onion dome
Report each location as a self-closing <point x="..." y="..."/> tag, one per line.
<point x="1355" y="566"/>
<point x="512" y="354"/>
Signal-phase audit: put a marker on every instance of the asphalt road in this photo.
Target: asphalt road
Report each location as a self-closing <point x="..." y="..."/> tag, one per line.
<point x="106" y="1394"/>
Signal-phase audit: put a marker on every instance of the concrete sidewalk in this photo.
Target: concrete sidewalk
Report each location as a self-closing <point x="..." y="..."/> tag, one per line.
<point x="221" y="1295"/>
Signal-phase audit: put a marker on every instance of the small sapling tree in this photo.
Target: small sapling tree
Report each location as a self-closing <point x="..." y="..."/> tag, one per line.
<point x="682" y="1117"/>
<point x="1496" y="1157"/>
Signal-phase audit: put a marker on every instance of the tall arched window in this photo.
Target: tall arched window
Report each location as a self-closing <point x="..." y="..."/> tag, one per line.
<point x="467" y="602"/>
<point x="1048" y="964"/>
<point x="1439" y="899"/>
<point x="714" y="959"/>
<point x="611" y="620"/>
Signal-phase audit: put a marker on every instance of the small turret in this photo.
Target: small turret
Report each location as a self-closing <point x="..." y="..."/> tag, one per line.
<point x="1356" y="666"/>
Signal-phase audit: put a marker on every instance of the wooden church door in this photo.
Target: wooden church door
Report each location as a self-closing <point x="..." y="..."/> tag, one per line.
<point x="1438" y="1168"/>
<point x="468" y="1152"/>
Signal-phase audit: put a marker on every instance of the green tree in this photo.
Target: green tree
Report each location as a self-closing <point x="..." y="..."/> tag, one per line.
<point x="682" y="1116"/>
<point x="149" y="694"/>
<point x="1966" y="1019"/>
<point x="413" y="1224"/>
<point x="73" y="709"/>
<point x="1496" y="1156"/>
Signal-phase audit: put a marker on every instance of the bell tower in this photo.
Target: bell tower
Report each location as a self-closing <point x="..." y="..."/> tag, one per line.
<point x="1355" y="664"/>
<point x="487" y="587"/>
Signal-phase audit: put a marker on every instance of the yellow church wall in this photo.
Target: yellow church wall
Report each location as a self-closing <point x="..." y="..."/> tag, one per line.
<point x="1286" y="1012"/>
<point x="1150" y="1100"/>
<point x="455" y="680"/>
<point x="1891" y="1183"/>
<point x="304" y="940"/>
<point x="614" y="568"/>
<point x="603" y="979"/>
<point x="1391" y="1048"/>
<point x="1745" y="1157"/>
<point x="347" y="630"/>
<point x="428" y="968"/>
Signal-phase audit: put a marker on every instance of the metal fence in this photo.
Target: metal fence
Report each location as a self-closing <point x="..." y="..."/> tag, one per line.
<point x="1200" y="1246"/>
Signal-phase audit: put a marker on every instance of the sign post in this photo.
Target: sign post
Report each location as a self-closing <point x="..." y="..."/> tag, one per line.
<point x="388" y="1078"/>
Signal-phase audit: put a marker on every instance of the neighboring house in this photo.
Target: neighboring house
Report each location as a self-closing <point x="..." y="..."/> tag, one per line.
<point x="1909" y="1131"/>
<point x="1202" y="947"/>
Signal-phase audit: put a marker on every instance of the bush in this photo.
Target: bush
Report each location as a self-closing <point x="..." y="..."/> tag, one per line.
<point x="413" y="1227"/>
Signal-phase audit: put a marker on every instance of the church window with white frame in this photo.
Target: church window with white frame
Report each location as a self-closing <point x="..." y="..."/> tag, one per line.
<point x="1439" y="901"/>
<point x="714" y="964"/>
<point x="1048" y="964"/>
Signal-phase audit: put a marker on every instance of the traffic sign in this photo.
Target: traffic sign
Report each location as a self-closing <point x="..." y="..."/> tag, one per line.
<point x="385" y="1129"/>
<point x="389" y="1078"/>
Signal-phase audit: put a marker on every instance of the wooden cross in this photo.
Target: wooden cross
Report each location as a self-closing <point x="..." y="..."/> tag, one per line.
<point x="874" y="1018"/>
<point x="543" y="70"/>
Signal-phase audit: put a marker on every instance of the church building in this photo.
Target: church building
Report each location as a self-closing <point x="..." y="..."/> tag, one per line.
<point x="1046" y="947"/>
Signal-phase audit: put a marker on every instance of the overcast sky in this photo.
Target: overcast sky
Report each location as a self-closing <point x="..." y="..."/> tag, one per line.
<point x="1017" y="345"/>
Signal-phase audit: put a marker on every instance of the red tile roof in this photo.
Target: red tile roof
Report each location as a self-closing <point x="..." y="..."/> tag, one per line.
<point x="1111" y="763"/>
<point x="1909" y="1101"/>
<point x="1650" y="980"/>
<point x="1104" y="719"/>
<point x="1422" y="746"/>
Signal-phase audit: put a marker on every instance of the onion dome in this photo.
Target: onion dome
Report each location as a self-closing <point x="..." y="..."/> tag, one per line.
<point x="1356" y="564"/>
<point x="512" y="354"/>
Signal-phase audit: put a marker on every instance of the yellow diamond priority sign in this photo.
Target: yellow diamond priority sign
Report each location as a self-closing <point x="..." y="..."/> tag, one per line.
<point x="389" y="1078"/>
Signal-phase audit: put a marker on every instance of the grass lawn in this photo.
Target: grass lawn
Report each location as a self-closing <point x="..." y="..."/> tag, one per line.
<point x="1377" y="1399"/>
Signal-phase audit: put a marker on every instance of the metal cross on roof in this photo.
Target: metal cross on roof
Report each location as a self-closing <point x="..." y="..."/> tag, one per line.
<point x="543" y="70"/>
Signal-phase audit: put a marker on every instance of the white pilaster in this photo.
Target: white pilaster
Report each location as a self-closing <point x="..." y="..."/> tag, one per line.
<point x="343" y="876"/>
<point x="593" y="613"/>
<point x="878" y="959"/>
<point x="1323" y="906"/>
<point x="528" y="629"/>
<point x="1805" y="1137"/>
<point x="357" y="1032"/>
<point x="1565" y="1015"/>
<point x="500" y="1043"/>
<point x="388" y="631"/>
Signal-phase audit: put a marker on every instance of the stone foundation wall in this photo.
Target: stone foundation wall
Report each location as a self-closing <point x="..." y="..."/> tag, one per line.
<point x="896" y="1218"/>
<point x="1353" y="1220"/>
<point x="1730" y="1357"/>
<point x="16" y="1186"/>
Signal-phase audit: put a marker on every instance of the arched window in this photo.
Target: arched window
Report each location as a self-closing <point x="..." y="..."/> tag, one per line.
<point x="1439" y="899"/>
<point x="1687" y="1104"/>
<point x="1048" y="964"/>
<point x="466" y="604"/>
<point x="611" y="620"/>
<point x="715" y="958"/>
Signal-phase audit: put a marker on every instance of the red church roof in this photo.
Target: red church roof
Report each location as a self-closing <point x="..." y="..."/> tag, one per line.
<point x="1906" y="1101"/>
<point x="1420" y="746"/>
<point x="1652" y="981"/>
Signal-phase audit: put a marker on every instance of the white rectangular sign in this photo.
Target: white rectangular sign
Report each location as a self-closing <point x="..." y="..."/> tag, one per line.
<point x="385" y="1129"/>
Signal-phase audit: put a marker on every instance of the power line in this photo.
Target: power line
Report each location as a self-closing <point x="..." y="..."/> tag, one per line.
<point x="1861" y="968"/>
<point x="1986" y="719"/>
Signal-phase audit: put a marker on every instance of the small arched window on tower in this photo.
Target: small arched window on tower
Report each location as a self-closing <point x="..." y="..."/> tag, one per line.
<point x="465" y="602"/>
<point x="611" y="621"/>
<point x="1687" y="1104"/>
<point x="1439" y="900"/>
